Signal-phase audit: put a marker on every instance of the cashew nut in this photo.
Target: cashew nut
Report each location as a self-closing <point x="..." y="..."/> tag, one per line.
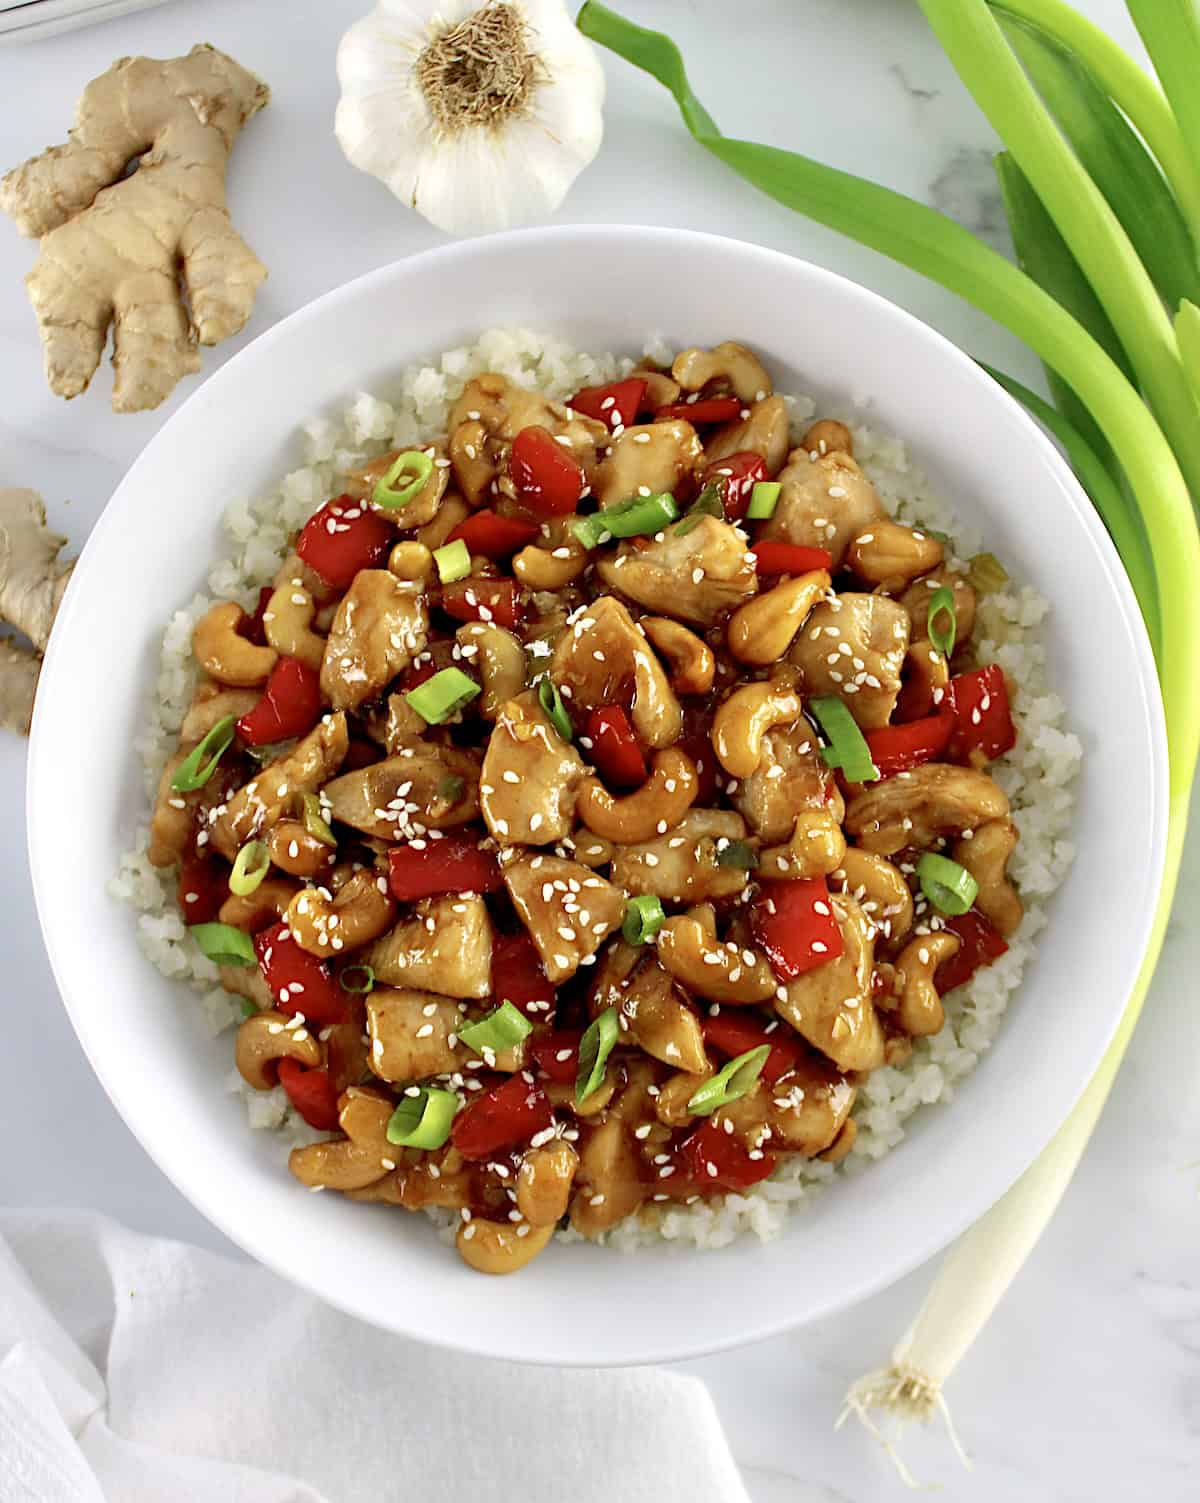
<point x="733" y="364"/>
<point x="985" y="855"/>
<point x="920" y="1010"/>
<point x="295" y="850"/>
<point x="593" y="850"/>
<point x="688" y="656"/>
<point x="288" y="621"/>
<point x="266" y="905"/>
<point x="653" y="809"/>
<point x="500" y="659"/>
<point x="915" y="808"/>
<point x="544" y="1182"/>
<point x="266" y="1038"/>
<point x="361" y="911"/>
<point x="761" y="631"/>
<point x="879" y="888"/>
<point x="765" y="432"/>
<point x="226" y="656"/>
<point x="892" y="555"/>
<point x="500" y="1246"/>
<point x="550" y="568"/>
<point x="450" y="513"/>
<point x="661" y="390"/>
<point x="472" y="461"/>
<point x="827" y="436"/>
<point x="915" y="601"/>
<point x="747" y="715"/>
<point x="925" y="677"/>
<point x="816" y="848"/>
<point x="718" y="972"/>
<point x="362" y="1156"/>
<point x="411" y="561"/>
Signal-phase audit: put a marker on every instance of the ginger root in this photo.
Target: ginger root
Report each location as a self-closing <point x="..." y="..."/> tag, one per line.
<point x="32" y="581"/>
<point x="115" y="247"/>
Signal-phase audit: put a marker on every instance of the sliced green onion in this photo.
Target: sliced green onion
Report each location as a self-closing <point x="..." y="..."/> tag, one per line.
<point x="763" y="500"/>
<point x="223" y="944"/>
<point x="500" y="1030"/>
<point x="640" y="516"/>
<point x="644" y="917"/>
<point x="414" y="467"/>
<point x="451" y="788"/>
<point x="987" y="573"/>
<point x="250" y="866"/>
<point x="453" y="561"/>
<point x="442" y="695"/>
<point x="949" y="887"/>
<point x="943" y="635"/>
<point x="350" y="981"/>
<point x="551" y="701"/>
<point x="590" y="530"/>
<point x="731" y="1083"/>
<point x="594" y="1048"/>
<point x="847" y="747"/>
<point x="193" y="772"/>
<point x="737" y="853"/>
<point x="314" y="821"/>
<point x="707" y="504"/>
<point x="423" y="1120"/>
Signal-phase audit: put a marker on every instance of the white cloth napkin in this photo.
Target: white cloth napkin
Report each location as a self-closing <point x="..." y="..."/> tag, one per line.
<point x="137" y="1370"/>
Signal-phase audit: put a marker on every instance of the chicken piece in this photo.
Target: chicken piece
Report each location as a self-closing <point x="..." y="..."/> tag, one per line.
<point x="853" y="646"/>
<point x="530" y="776"/>
<point x="823" y="503"/>
<point x="397" y="725"/>
<point x="916" y="808"/>
<point x="791" y="777"/>
<point x="682" y="866"/>
<point x="915" y="601"/>
<point x="648" y="459"/>
<point x="831" y="1006"/>
<point x="265" y="799"/>
<point x="804" y="1110"/>
<point x="380" y="626"/>
<point x="172" y="818"/>
<point x="421" y="508"/>
<point x="211" y="703"/>
<point x="655" y="1017"/>
<point x="763" y="431"/>
<point x="423" y="787"/>
<point x="600" y="656"/>
<point x="412" y="1033"/>
<point x="568" y="910"/>
<point x="700" y="571"/>
<point x="504" y="408"/>
<point x="446" y="947"/>
<point x="608" y="1183"/>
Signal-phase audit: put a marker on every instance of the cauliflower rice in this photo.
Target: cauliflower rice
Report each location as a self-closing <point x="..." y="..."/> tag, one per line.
<point x="1038" y="775"/>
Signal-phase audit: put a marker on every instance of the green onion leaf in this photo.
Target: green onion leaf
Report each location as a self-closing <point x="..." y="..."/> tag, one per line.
<point x="453" y="561"/>
<point x="314" y="821"/>
<point x="640" y="516"/>
<point x="949" y="887"/>
<point x="738" y="853"/>
<point x="414" y="468"/>
<point x="551" y="701"/>
<point x="942" y="634"/>
<point x="708" y="503"/>
<point x="594" y="1048"/>
<point x="500" y="1030"/>
<point x="442" y="695"/>
<point x="1170" y="30"/>
<point x="590" y="530"/>
<point x="357" y="978"/>
<point x="223" y="944"/>
<point x="423" y="1120"/>
<point x="731" y="1083"/>
<point x="987" y="573"/>
<point x="763" y="500"/>
<point x="847" y="746"/>
<point x="644" y="917"/>
<point x="193" y="772"/>
<point x="250" y="866"/>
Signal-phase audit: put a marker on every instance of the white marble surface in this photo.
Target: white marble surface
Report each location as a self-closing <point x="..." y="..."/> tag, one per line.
<point x="1086" y="1386"/>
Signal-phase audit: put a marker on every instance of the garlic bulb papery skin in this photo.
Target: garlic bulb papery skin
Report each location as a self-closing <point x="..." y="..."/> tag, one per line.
<point x="479" y="116"/>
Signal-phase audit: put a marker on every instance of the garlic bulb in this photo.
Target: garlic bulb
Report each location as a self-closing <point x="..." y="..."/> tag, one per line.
<point x="478" y="115"/>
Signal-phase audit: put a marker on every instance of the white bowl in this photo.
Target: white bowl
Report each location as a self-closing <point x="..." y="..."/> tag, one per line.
<point x="605" y="288"/>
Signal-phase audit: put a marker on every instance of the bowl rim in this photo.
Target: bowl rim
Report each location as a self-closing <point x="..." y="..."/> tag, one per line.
<point x="921" y="1246"/>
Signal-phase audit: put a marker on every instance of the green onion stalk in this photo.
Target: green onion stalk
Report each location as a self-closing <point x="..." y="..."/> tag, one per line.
<point x="1099" y="324"/>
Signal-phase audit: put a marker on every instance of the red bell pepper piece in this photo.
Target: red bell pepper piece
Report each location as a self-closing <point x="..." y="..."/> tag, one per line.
<point x="290" y="705"/>
<point x="498" y="600"/>
<point x="203" y="887"/>
<point x="254" y="628"/>
<point x="981" y="944"/>
<point x="899" y="748"/>
<point x="616" y="751"/>
<point x="983" y="719"/>
<point x="736" y="477"/>
<point x="556" y="1054"/>
<point x="312" y="1093"/>
<point x="795" y="924"/>
<point x="548" y="479"/>
<point x="342" y="538"/>
<point x="706" y="410"/>
<point x="518" y="977"/>
<point x="455" y="864"/>
<point x="616" y="404"/>
<point x="494" y="536"/>
<point x="299" y="982"/>
<point x="732" y="1033"/>
<point x="789" y="558"/>
<point x="510" y="1113"/>
<point x="717" y="1160"/>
